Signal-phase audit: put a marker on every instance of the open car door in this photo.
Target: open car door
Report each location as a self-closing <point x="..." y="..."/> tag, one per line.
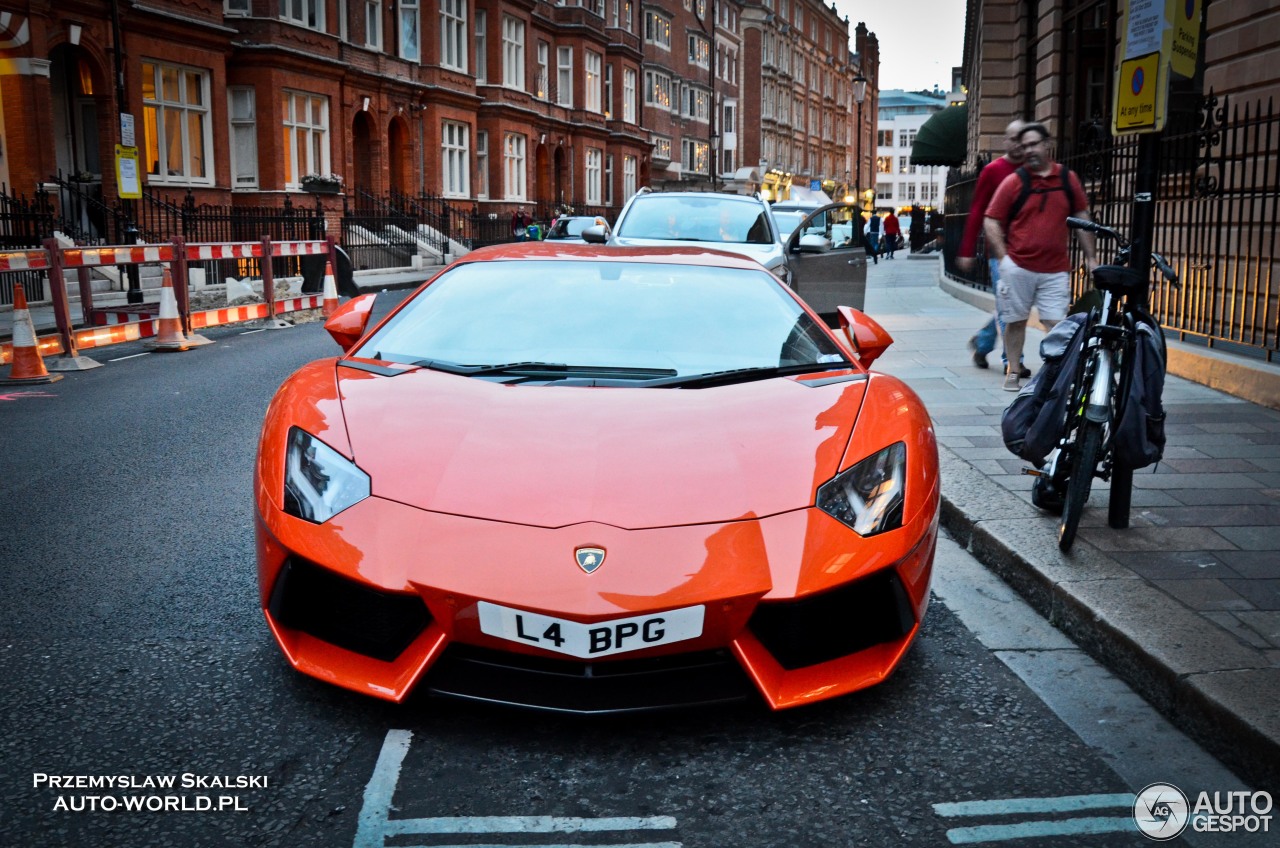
<point x="827" y="259"/>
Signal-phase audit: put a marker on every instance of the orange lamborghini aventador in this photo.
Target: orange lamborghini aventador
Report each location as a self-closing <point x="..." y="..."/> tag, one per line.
<point x="597" y="479"/>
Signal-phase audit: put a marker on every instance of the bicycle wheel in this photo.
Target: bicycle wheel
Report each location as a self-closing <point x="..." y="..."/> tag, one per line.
<point x="1121" y="496"/>
<point x="1088" y="443"/>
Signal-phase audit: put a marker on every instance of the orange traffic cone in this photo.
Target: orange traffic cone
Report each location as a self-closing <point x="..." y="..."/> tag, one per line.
<point x="330" y="303"/>
<point x="28" y="368"/>
<point x="169" y="336"/>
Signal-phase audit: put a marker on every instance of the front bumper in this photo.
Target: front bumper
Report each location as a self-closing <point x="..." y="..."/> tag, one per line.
<point x="383" y="600"/>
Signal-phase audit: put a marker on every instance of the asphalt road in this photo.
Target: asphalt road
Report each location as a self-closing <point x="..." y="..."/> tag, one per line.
<point x="132" y="646"/>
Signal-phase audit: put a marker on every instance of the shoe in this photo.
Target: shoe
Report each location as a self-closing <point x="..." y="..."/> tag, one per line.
<point x="1024" y="372"/>
<point x="1011" y="382"/>
<point x="979" y="358"/>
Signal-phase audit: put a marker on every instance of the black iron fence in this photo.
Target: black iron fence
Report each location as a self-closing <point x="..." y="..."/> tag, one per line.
<point x="1217" y="213"/>
<point x="24" y="223"/>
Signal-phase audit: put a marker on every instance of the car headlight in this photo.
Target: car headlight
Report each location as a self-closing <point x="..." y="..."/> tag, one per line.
<point x="869" y="497"/>
<point x="319" y="482"/>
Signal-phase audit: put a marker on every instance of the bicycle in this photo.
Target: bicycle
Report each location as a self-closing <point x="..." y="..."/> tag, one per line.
<point x="1099" y="392"/>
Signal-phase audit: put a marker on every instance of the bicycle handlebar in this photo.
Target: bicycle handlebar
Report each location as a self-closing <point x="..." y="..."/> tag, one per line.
<point x="1166" y="270"/>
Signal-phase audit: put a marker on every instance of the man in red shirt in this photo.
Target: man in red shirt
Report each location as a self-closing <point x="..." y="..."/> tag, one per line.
<point x="892" y="232"/>
<point x="1032" y="247"/>
<point x="989" y="180"/>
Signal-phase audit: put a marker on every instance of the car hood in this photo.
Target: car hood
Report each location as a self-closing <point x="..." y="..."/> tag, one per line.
<point x="768" y="255"/>
<point x="551" y="456"/>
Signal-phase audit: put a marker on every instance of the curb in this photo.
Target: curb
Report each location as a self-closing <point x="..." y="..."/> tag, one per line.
<point x="1222" y="693"/>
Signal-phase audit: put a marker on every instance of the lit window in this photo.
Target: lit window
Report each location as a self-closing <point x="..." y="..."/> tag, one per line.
<point x="176" y="132"/>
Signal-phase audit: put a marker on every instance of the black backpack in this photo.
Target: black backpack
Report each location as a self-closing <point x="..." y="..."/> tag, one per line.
<point x="1034" y="422"/>
<point x="1077" y="202"/>
<point x="1139" y="437"/>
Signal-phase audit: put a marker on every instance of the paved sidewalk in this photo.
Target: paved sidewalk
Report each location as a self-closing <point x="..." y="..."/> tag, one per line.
<point x="1185" y="604"/>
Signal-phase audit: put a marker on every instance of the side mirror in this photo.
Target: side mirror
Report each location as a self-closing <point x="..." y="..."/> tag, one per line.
<point x="865" y="335"/>
<point x="813" y="243"/>
<point x="347" y="324"/>
<point x="596" y="234"/>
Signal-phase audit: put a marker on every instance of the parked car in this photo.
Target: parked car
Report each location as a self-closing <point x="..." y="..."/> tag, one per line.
<point x="736" y="223"/>
<point x="662" y="482"/>
<point x="569" y="228"/>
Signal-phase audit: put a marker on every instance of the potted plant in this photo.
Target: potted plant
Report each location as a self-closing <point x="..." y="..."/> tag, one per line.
<point x="322" y="183"/>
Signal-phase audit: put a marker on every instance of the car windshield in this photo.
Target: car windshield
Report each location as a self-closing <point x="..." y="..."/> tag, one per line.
<point x="682" y="218"/>
<point x="663" y="318"/>
<point x="570" y="227"/>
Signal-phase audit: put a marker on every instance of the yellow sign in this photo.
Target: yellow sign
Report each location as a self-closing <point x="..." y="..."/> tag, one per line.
<point x="1183" y="37"/>
<point x="128" y="180"/>
<point x="1140" y="95"/>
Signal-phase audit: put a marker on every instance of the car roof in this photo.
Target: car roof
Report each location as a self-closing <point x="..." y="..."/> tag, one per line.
<point x="717" y="195"/>
<point x="536" y="250"/>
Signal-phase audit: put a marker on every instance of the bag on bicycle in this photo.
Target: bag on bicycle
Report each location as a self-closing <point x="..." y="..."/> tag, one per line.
<point x="1139" y="437"/>
<point x="1033" y="423"/>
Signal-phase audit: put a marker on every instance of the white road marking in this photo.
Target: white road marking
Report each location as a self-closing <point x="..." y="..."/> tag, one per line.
<point x="1008" y="806"/>
<point x="375" y="824"/>
<point x="131" y="356"/>
<point x="251" y="332"/>
<point x="1032" y="829"/>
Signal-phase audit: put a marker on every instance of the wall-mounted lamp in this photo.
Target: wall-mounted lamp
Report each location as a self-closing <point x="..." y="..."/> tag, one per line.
<point x="542" y="139"/>
<point x="365" y="107"/>
<point x="73" y="33"/>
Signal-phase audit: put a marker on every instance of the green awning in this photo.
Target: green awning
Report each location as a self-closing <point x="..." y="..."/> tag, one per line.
<point x="943" y="139"/>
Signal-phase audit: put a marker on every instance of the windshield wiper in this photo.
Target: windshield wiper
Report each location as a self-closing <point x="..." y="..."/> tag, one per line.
<point x="545" y="369"/>
<point x="744" y="375"/>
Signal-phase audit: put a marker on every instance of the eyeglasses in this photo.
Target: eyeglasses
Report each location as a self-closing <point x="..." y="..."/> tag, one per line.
<point x="1035" y="143"/>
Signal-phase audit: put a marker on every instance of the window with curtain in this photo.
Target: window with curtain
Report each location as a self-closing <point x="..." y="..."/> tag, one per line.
<point x="410" y="23"/>
<point x="244" y="137"/>
<point x="513" y="161"/>
<point x="177" y="137"/>
<point x="512" y="52"/>
<point x="304" y="120"/>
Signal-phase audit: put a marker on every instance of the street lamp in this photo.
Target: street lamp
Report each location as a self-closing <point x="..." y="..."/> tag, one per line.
<point x="859" y="94"/>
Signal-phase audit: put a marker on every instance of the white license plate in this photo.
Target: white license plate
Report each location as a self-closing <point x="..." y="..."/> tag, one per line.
<point x="587" y="641"/>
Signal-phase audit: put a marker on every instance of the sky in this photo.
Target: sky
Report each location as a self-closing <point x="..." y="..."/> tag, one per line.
<point x="920" y="40"/>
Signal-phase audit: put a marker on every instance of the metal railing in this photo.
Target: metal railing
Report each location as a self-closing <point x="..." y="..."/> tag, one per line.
<point x="24" y="223"/>
<point x="1217" y="219"/>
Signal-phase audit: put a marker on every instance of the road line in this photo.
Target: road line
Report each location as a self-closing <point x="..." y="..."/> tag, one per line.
<point x="1033" y="829"/>
<point x="557" y="845"/>
<point x="1010" y="806"/>
<point x="372" y="824"/>
<point x="131" y="356"/>
<point x="526" y="824"/>
<point x="251" y="332"/>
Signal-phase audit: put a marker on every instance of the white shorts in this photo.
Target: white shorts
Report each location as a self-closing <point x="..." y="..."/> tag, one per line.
<point x="1018" y="290"/>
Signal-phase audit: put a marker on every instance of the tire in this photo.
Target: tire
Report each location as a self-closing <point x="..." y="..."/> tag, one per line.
<point x="1088" y="445"/>
<point x="1121" y="496"/>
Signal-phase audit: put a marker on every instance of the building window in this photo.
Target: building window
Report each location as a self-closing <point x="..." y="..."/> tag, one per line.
<point x="307" y="13"/>
<point x="629" y="95"/>
<point x="373" y="24"/>
<point x="236" y="7"/>
<point x="482" y="164"/>
<point x="884" y="164"/>
<point x="410" y="46"/>
<point x="453" y="34"/>
<point x="884" y="138"/>
<point x="662" y="148"/>
<point x="699" y="51"/>
<point x="620" y="14"/>
<point x="657" y="89"/>
<point x="608" y="179"/>
<point x="593" y="78"/>
<point x="244" y="137"/>
<point x="457" y="159"/>
<point x="906" y="138"/>
<point x="694" y="103"/>
<point x="693" y="156"/>
<point x="884" y="191"/>
<point x="628" y="177"/>
<point x="657" y="30"/>
<point x="542" y="83"/>
<point x="910" y="189"/>
<point x="593" y="176"/>
<point x="176" y="131"/>
<point x="513" y="158"/>
<point x="564" y="76"/>
<point x="305" y="121"/>
<point x="513" y="53"/>
<point x="482" y="48"/>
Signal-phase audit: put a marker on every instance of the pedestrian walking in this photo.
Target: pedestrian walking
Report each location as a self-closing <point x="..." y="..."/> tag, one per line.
<point x="1026" y="229"/>
<point x="989" y="179"/>
<point x="873" y="238"/>
<point x="892" y="233"/>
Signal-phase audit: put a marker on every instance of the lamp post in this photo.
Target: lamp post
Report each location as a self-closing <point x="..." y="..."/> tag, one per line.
<point x="859" y="94"/>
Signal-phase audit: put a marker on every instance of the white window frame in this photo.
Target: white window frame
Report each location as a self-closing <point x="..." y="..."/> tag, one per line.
<point x="304" y="13"/>
<point x="657" y="30"/>
<point x="243" y="132"/>
<point x="608" y="179"/>
<point x="594" y="165"/>
<point x="657" y="89"/>
<point x="513" y="30"/>
<point x="373" y="24"/>
<point x="514" y="182"/>
<point x="455" y="165"/>
<point x="453" y="35"/>
<point x="410" y="30"/>
<point x="306" y="141"/>
<point x="482" y="50"/>
<point x="237" y="8"/>
<point x="662" y="148"/>
<point x="163" y="112"/>
<point x="629" y="95"/>
<point x="564" y="76"/>
<point x="542" y="85"/>
<point x="699" y="51"/>
<point x="628" y="177"/>
<point x="593" y="76"/>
